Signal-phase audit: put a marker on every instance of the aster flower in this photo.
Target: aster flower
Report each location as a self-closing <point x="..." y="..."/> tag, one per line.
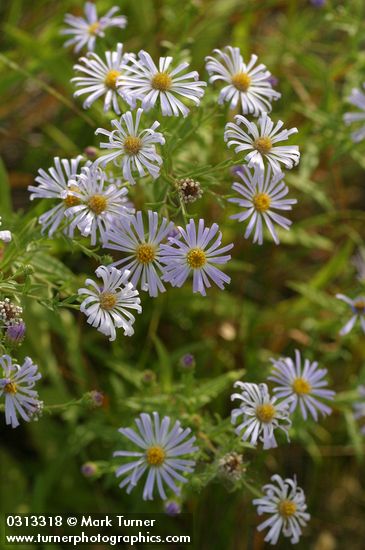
<point x="107" y="306"/>
<point x="161" y="449"/>
<point x="246" y="84"/>
<point x="132" y="149"/>
<point x="96" y="203"/>
<point x="84" y="31"/>
<point x="259" y="141"/>
<point x="359" y="407"/>
<point x="358" y="309"/>
<point x="357" y="98"/>
<point x="54" y="184"/>
<point x="303" y="384"/>
<point x="5" y="236"/>
<point x="195" y="253"/>
<point x="261" y="194"/>
<point x="142" y="248"/>
<point x="285" y="502"/>
<point x="261" y="414"/>
<point x="149" y="84"/>
<point x="17" y="385"/>
<point x="102" y="78"/>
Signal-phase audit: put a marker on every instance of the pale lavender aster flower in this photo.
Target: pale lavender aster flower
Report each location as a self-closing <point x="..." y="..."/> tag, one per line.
<point x="85" y="30"/>
<point x="150" y="84"/>
<point x="54" y="184"/>
<point x="102" y="78"/>
<point x="161" y="449"/>
<point x="195" y="253"/>
<point x="359" y="407"/>
<point x="357" y="306"/>
<point x="132" y="149"/>
<point x="285" y="502"/>
<point x="357" y="98"/>
<point x="303" y="384"/>
<point x="261" y="194"/>
<point x="246" y="84"/>
<point x="98" y="202"/>
<point x="143" y="249"/>
<point x="318" y="3"/>
<point x="258" y="142"/>
<point x="261" y="414"/>
<point x="17" y="385"/>
<point x="107" y="307"/>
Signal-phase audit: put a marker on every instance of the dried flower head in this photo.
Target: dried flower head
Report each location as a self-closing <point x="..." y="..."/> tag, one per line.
<point x="10" y="313"/>
<point x="231" y="466"/>
<point x="189" y="190"/>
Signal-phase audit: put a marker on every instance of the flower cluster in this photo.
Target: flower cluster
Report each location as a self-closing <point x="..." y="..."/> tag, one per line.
<point x="300" y="386"/>
<point x="163" y="245"/>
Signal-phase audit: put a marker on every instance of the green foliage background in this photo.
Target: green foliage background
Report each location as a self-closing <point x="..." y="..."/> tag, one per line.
<point x="280" y="298"/>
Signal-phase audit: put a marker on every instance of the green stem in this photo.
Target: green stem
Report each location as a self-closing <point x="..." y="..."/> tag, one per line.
<point x="54" y="409"/>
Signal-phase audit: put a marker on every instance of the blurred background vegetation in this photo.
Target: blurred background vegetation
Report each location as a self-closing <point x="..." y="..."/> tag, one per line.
<point x="280" y="298"/>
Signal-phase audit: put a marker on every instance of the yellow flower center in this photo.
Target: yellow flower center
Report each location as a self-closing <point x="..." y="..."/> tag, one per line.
<point x="10" y="387"/>
<point x="132" y="145"/>
<point x="287" y="508"/>
<point x="261" y="202"/>
<point x="265" y="412"/>
<point x="107" y="300"/>
<point x="161" y="81"/>
<point x="301" y="386"/>
<point x="263" y="145"/>
<point x="97" y="203"/>
<point x="196" y="258"/>
<point x="359" y="305"/>
<point x="241" y="81"/>
<point x="155" y="455"/>
<point x="145" y="253"/>
<point x="94" y="27"/>
<point x="111" y="79"/>
<point x="71" y="200"/>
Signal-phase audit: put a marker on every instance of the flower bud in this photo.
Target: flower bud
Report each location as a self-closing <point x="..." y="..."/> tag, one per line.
<point x="187" y="361"/>
<point x="172" y="508"/>
<point x="89" y="469"/>
<point x="14" y="334"/>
